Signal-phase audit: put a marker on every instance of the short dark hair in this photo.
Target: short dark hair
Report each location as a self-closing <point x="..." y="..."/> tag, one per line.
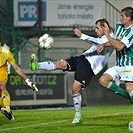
<point x="102" y="21"/>
<point x="128" y="11"/>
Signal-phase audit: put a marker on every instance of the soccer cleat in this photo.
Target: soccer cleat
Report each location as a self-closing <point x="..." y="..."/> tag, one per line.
<point x="33" y="62"/>
<point x="77" y="119"/>
<point x="7" y="113"/>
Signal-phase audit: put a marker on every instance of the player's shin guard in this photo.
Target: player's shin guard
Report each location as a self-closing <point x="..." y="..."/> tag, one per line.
<point x="5" y="99"/>
<point x="77" y="104"/>
<point x="115" y="88"/>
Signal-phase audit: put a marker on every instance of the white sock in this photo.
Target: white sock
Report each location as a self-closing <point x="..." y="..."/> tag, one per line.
<point x="47" y="65"/>
<point x="77" y="99"/>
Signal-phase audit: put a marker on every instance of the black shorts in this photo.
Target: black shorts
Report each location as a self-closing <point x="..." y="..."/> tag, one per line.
<point x="82" y="68"/>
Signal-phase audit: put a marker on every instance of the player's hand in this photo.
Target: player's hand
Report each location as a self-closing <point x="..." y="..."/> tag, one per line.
<point x="106" y="29"/>
<point x="77" y="32"/>
<point x="32" y="85"/>
<point x="100" y="48"/>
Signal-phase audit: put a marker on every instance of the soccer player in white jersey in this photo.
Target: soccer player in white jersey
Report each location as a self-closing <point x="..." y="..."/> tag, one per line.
<point x="123" y="43"/>
<point x="85" y="65"/>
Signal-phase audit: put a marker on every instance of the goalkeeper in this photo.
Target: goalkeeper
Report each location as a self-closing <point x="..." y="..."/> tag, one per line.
<point x="85" y="65"/>
<point x="6" y="56"/>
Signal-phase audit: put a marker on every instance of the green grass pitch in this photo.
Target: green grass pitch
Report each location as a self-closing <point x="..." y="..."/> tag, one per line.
<point x="98" y="119"/>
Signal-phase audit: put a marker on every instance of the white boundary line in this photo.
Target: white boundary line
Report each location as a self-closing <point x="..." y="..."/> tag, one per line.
<point x="115" y="114"/>
<point x="42" y="124"/>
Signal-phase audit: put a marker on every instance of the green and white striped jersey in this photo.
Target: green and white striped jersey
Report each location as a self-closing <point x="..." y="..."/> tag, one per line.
<point x="125" y="36"/>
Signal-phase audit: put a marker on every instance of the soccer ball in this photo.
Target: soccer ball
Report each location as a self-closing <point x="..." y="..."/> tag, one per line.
<point x="45" y="41"/>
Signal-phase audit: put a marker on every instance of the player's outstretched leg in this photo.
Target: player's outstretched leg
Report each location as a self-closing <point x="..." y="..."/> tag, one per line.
<point x="46" y="65"/>
<point x="33" y="62"/>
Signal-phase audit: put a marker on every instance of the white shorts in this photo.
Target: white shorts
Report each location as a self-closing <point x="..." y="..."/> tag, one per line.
<point x="123" y="73"/>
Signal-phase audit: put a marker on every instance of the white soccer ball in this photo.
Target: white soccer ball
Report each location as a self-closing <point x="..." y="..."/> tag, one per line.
<point x="45" y="41"/>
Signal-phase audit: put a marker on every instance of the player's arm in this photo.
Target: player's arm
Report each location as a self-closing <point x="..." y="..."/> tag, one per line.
<point x="12" y="62"/>
<point x="20" y="72"/>
<point x="87" y="38"/>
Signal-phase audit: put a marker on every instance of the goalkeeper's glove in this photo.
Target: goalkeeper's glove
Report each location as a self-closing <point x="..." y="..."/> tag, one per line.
<point x="32" y="85"/>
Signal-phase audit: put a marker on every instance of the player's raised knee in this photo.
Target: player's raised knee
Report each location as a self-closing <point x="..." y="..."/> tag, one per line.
<point x="61" y="64"/>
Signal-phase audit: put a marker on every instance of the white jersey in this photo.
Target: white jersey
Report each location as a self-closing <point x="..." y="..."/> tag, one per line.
<point x="97" y="62"/>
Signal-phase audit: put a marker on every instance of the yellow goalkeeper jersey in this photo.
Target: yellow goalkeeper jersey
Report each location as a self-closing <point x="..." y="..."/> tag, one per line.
<point x="5" y="56"/>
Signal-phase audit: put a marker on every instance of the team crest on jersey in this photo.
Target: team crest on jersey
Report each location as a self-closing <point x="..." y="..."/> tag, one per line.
<point x="119" y="38"/>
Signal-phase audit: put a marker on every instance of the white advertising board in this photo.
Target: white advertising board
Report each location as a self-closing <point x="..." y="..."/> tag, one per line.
<point x="58" y="12"/>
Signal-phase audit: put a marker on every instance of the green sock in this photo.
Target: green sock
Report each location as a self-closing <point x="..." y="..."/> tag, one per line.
<point x="115" y="88"/>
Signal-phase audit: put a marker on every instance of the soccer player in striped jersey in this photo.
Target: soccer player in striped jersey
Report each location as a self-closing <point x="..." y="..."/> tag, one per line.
<point x="84" y="66"/>
<point x="123" y="43"/>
